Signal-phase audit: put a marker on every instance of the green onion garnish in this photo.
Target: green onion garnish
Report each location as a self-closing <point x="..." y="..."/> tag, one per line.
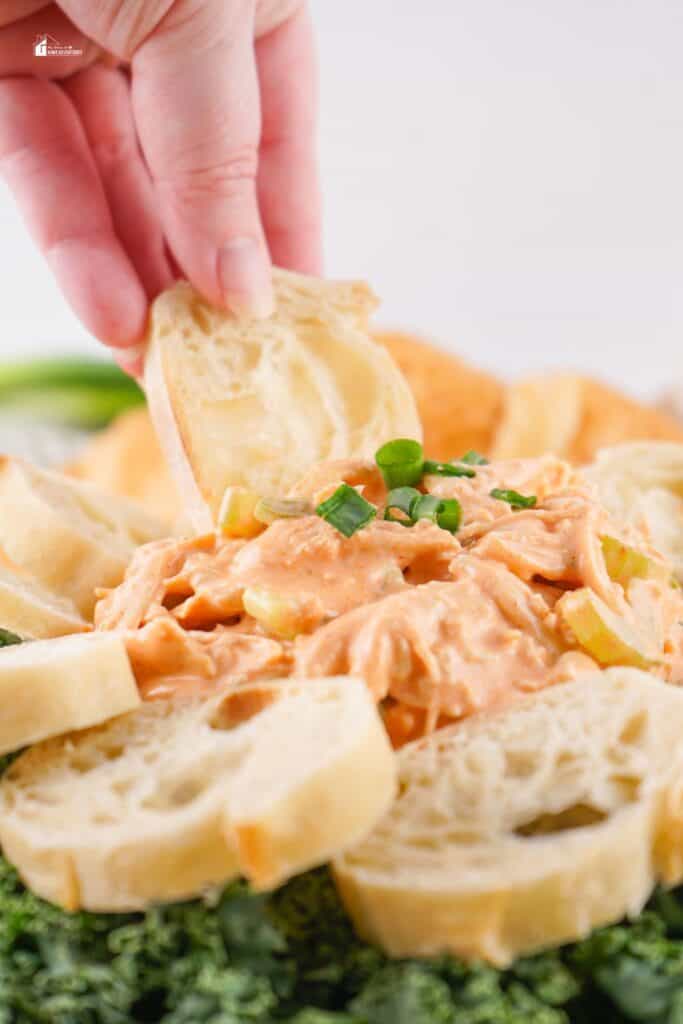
<point x="7" y="638"/>
<point x="446" y="469"/>
<point x="401" y="499"/>
<point x="346" y="510"/>
<point x="426" y="507"/>
<point x="445" y="512"/>
<point x="449" y="515"/>
<point x="472" y="458"/>
<point x="514" y="498"/>
<point x="401" y="462"/>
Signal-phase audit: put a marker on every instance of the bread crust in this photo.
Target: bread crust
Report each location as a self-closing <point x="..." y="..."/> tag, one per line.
<point x="179" y="795"/>
<point x="641" y="484"/>
<point x="66" y="533"/>
<point x="33" y="612"/>
<point x="459" y="404"/>
<point x="256" y="403"/>
<point x="50" y="687"/>
<point x="527" y="827"/>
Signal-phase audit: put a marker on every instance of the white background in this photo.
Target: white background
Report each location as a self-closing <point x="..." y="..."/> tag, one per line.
<point x="507" y="175"/>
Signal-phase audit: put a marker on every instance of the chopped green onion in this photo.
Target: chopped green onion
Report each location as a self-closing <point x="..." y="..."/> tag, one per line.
<point x="514" y="498"/>
<point x="449" y="515"/>
<point x="472" y="458"/>
<point x="413" y="505"/>
<point x="267" y="510"/>
<point x="445" y="512"/>
<point x="401" y="499"/>
<point x="446" y="469"/>
<point x="7" y="638"/>
<point x="426" y="507"/>
<point x="346" y="510"/>
<point x="400" y="462"/>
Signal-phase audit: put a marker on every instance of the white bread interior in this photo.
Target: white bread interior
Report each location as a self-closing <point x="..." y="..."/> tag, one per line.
<point x="33" y="612"/>
<point x="266" y="780"/>
<point x="66" y="533"/>
<point x="49" y="687"/>
<point x="255" y="403"/>
<point x="526" y="827"/>
<point x="641" y="483"/>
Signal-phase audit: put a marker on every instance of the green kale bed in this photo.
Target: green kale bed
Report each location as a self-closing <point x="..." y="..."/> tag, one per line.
<point x="293" y="957"/>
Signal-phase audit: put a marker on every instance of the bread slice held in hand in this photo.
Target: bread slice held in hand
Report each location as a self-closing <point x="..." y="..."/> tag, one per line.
<point x="255" y="403"/>
<point x="66" y="533"/>
<point x="266" y="780"/>
<point x="32" y="611"/>
<point x="49" y="687"/>
<point x="524" y="828"/>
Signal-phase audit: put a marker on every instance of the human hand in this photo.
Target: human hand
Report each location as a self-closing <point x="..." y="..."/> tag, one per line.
<point x="179" y="141"/>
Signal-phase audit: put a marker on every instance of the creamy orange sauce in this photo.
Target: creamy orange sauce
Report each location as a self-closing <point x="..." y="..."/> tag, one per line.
<point x="167" y="659"/>
<point x="323" y="479"/>
<point x="541" y="477"/>
<point x="439" y="626"/>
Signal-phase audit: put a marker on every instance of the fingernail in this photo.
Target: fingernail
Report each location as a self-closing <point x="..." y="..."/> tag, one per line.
<point x="131" y="359"/>
<point x="244" y="278"/>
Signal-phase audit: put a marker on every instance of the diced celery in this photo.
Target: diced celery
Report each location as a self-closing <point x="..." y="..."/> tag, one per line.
<point x="236" y="516"/>
<point x="280" y="615"/>
<point x="624" y="563"/>
<point x="603" y="634"/>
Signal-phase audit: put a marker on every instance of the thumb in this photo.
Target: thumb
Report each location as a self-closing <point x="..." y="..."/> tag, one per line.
<point x="196" y="106"/>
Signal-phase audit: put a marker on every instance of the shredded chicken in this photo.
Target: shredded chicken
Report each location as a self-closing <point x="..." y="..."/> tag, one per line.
<point x="452" y="648"/>
<point x="201" y="583"/>
<point x="167" y="659"/>
<point x="540" y="477"/>
<point x="558" y="540"/>
<point x="439" y="625"/>
<point x="324" y="478"/>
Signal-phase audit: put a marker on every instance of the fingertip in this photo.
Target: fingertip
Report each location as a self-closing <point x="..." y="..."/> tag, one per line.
<point x="245" y="278"/>
<point x="131" y="360"/>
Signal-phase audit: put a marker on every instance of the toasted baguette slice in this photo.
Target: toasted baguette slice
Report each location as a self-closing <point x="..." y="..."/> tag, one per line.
<point x="48" y="687"/>
<point x="442" y="382"/>
<point x="157" y="805"/>
<point x="641" y="483"/>
<point x="34" y="612"/>
<point x="539" y="415"/>
<point x="256" y="403"/>
<point x="68" y="534"/>
<point x="125" y="459"/>
<point x="522" y="828"/>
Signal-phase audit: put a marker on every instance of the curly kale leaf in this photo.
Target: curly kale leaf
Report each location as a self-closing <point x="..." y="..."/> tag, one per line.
<point x="639" y="966"/>
<point x="293" y="958"/>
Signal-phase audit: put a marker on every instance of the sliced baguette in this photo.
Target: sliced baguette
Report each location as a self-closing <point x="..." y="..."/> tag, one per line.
<point x="257" y="403"/>
<point x="68" y="534"/>
<point x="157" y="805"/>
<point x="34" y="612"/>
<point x="523" y="828"/>
<point x="48" y="687"/>
<point x="641" y="483"/>
<point x="539" y="415"/>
